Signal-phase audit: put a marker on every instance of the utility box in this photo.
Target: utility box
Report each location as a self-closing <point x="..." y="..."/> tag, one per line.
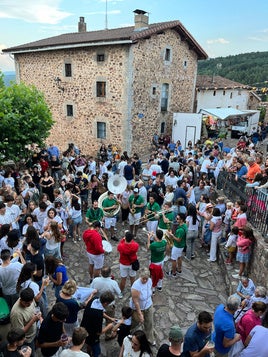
<point x="186" y="126"/>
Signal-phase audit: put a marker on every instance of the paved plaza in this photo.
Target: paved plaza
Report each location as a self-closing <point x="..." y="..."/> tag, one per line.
<point x="199" y="287"/>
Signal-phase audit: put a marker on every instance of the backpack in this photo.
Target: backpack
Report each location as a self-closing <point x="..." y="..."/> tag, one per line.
<point x="4" y="312"/>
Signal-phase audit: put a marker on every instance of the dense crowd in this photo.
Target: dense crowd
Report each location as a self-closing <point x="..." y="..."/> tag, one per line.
<point x="172" y="197"/>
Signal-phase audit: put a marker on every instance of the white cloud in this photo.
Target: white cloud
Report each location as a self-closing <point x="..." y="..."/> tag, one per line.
<point x="6" y="61"/>
<point x="222" y="41"/>
<point x="262" y="36"/>
<point x="40" y="11"/>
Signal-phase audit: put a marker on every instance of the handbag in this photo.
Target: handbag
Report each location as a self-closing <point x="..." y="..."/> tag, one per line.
<point x="135" y="265"/>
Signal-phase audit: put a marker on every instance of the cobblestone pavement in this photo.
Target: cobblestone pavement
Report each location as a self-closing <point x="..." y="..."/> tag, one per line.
<point x="199" y="287"/>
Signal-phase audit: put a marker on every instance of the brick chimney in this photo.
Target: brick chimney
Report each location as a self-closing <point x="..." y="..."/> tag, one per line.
<point x="141" y="20"/>
<point x="82" y="26"/>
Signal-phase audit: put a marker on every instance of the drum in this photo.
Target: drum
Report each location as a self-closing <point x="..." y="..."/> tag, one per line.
<point x="107" y="246"/>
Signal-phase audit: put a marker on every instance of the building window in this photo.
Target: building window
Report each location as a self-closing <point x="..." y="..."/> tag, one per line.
<point x="214" y="93"/>
<point x="69" y="110"/>
<point x="185" y="64"/>
<point x="162" y="129"/>
<point x="164" y="97"/>
<point x="68" y="70"/>
<point x="167" y="54"/>
<point x="154" y="90"/>
<point x="101" y="89"/>
<point x="101" y="130"/>
<point x="224" y="92"/>
<point x="100" y="57"/>
<point x="231" y="95"/>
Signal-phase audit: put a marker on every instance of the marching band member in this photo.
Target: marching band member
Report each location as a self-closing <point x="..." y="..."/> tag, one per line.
<point x="157" y="248"/>
<point x="94" y="214"/>
<point x="136" y="203"/>
<point x="151" y="211"/>
<point x="165" y="225"/>
<point x="109" y="204"/>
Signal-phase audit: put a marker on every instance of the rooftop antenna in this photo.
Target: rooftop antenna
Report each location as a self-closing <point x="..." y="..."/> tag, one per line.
<point x="106" y="15"/>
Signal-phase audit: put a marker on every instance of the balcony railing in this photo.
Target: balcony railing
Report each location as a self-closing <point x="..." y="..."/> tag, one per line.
<point x="256" y="200"/>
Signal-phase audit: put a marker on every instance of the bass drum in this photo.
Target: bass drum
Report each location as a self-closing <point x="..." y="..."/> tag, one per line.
<point x="111" y="213"/>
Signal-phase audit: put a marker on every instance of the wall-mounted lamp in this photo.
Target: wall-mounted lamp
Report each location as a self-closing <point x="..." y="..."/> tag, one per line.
<point x="57" y="80"/>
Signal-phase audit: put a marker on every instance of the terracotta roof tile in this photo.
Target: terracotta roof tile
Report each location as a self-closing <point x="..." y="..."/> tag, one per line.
<point x="118" y="34"/>
<point x="217" y="82"/>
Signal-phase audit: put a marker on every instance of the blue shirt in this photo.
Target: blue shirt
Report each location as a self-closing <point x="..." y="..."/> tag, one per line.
<point x="242" y="171"/>
<point x="195" y="340"/>
<point x="224" y="327"/>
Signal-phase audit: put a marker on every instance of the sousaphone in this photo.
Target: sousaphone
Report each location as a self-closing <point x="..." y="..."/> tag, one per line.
<point x="117" y="185"/>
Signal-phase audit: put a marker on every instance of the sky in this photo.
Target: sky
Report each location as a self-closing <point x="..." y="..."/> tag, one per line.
<point x="222" y="28"/>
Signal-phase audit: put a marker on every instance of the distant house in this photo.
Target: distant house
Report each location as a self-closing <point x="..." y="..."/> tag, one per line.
<point x="219" y="92"/>
<point x="114" y="86"/>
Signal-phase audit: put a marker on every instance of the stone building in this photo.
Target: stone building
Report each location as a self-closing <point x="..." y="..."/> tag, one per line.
<point x="114" y="86"/>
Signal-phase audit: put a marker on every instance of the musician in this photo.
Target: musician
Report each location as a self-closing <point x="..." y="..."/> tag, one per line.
<point x="109" y="204"/>
<point x="136" y="203"/>
<point x="94" y="214"/>
<point x="179" y="239"/>
<point x="151" y="211"/>
<point x="166" y="218"/>
<point x="157" y="248"/>
<point x="165" y="224"/>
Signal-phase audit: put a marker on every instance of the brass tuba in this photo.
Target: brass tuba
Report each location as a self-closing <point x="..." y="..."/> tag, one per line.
<point x="116" y="184"/>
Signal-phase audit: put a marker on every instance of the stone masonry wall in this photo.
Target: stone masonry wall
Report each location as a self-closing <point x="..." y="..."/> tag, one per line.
<point x="131" y="110"/>
<point x="40" y="69"/>
<point x="151" y="70"/>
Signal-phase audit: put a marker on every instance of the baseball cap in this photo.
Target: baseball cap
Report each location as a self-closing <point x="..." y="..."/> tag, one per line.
<point x="136" y="190"/>
<point x="175" y="333"/>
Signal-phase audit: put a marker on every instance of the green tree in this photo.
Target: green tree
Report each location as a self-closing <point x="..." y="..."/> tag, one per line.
<point x="25" y="119"/>
<point x="2" y="83"/>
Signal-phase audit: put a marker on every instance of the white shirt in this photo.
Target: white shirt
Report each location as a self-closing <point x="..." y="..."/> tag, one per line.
<point x="14" y="211"/>
<point x="121" y="166"/>
<point x="105" y="284"/>
<point x="92" y="168"/>
<point x="145" y="291"/>
<point x="70" y="353"/>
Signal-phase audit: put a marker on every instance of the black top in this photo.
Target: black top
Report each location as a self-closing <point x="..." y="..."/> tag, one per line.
<point x="92" y="322"/>
<point x="38" y="260"/>
<point x="50" y="331"/>
<point x="165" y="352"/>
<point x="5" y="353"/>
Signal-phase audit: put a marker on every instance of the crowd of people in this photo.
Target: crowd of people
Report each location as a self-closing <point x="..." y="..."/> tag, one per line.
<point x="171" y="197"/>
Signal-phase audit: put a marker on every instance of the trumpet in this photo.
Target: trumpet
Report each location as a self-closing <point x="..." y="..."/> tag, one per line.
<point x="148" y="214"/>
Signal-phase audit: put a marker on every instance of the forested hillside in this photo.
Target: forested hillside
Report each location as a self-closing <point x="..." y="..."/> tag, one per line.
<point x="247" y="68"/>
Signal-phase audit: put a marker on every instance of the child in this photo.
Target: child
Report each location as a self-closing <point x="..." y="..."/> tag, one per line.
<point x="244" y="243"/>
<point x="241" y="218"/>
<point x="236" y="207"/>
<point x="227" y="218"/>
<point x="122" y="327"/>
<point x="231" y="245"/>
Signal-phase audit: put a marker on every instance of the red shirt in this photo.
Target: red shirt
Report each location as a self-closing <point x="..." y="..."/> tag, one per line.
<point x="93" y="242"/>
<point x="128" y="251"/>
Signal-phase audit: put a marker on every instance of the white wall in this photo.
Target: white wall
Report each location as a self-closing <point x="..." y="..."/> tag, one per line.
<point x="234" y="98"/>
